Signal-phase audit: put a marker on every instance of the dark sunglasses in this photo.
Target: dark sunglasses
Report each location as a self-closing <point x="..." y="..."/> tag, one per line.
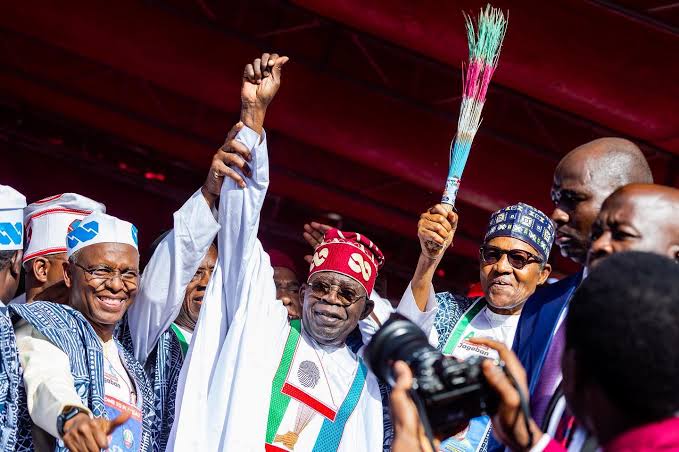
<point x="517" y="258"/>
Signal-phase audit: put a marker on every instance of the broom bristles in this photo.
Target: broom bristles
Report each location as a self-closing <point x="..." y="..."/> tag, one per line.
<point x="484" y="36"/>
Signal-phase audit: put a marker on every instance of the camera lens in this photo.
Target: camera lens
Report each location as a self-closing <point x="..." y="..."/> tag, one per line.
<point x="451" y="391"/>
<point x="398" y="339"/>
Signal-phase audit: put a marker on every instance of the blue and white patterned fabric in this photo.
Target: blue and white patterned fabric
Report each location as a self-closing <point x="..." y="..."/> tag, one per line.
<point x="12" y="205"/>
<point x="99" y="227"/>
<point x="9" y="383"/>
<point x="525" y="223"/>
<point x="72" y="333"/>
<point x="162" y="368"/>
<point x="451" y="309"/>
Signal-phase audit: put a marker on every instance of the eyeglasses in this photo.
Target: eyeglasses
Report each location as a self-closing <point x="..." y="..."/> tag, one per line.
<point x="517" y="258"/>
<point x="345" y="295"/>
<point x="100" y="274"/>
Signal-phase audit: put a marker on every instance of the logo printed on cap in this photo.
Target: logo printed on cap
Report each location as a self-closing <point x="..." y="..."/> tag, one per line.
<point x="135" y="233"/>
<point x="79" y="233"/>
<point x="360" y="266"/>
<point x="319" y="257"/>
<point x="10" y="233"/>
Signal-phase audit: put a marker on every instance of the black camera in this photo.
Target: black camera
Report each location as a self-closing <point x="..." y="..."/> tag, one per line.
<point x="451" y="391"/>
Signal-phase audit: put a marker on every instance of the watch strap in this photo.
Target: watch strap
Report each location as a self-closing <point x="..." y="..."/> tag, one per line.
<point x="65" y="416"/>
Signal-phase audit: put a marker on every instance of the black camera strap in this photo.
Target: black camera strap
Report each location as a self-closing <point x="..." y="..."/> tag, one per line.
<point x="424" y="419"/>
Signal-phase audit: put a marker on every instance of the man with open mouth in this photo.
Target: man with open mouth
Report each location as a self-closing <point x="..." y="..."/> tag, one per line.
<point x="185" y="322"/>
<point x="82" y="384"/>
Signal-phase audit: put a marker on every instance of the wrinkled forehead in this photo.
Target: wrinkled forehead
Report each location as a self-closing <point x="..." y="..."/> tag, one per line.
<point x="339" y="279"/>
<point x="110" y="254"/>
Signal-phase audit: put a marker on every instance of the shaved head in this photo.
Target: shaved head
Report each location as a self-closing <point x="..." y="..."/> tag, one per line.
<point x="637" y="217"/>
<point x="583" y="179"/>
<point x="613" y="162"/>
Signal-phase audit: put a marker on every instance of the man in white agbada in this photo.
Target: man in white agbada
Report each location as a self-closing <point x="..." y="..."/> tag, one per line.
<point x="254" y="380"/>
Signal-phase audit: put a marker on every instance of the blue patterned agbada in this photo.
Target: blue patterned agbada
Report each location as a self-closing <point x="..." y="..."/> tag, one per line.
<point x="67" y="329"/>
<point x="162" y="368"/>
<point x="9" y="382"/>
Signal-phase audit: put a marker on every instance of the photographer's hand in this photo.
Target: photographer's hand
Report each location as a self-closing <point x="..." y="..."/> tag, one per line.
<point x="509" y="424"/>
<point x="409" y="433"/>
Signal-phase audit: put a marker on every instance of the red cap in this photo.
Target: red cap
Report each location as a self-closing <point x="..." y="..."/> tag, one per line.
<point x="280" y="259"/>
<point x="350" y="254"/>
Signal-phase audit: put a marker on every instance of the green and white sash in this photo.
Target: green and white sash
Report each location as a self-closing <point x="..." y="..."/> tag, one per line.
<point x="479" y="427"/>
<point x="462" y="324"/>
<point x="300" y="386"/>
<point x="183" y="340"/>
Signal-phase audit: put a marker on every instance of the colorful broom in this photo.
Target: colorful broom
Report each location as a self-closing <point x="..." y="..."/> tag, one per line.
<point x="485" y="43"/>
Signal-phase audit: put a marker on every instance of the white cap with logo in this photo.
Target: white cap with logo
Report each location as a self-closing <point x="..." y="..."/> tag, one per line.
<point x="99" y="228"/>
<point x="47" y="222"/>
<point x="12" y="205"/>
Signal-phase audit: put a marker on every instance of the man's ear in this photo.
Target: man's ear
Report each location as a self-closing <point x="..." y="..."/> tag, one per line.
<point x="40" y="267"/>
<point x="68" y="278"/>
<point x="15" y="266"/>
<point x="369" y="306"/>
<point x="544" y="274"/>
<point x="674" y="252"/>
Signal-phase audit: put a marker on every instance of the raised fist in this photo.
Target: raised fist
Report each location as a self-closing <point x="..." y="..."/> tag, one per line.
<point x="261" y="80"/>
<point x="436" y="230"/>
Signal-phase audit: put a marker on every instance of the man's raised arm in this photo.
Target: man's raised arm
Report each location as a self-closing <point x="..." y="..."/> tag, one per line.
<point x="172" y="266"/>
<point x="178" y="256"/>
<point x="242" y="188"/>
<point x="241" y="201"/>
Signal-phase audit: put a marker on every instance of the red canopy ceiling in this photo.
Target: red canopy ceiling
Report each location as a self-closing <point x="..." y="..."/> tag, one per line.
<point x="363" y="121"/>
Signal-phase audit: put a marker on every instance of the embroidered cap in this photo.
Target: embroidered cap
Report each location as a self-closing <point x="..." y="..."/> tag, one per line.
<point x="12" y="205"/>
<point x="349" y="253"/>
<point x="47" y="222"/>
<point x="525" y="223"/>
<point x="97" y="228"/>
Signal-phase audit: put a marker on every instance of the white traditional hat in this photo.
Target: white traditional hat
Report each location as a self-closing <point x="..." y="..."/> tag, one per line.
<point x="47" y="222"/>
<point x="12" y="205"/>
<point x="99" y="228"/>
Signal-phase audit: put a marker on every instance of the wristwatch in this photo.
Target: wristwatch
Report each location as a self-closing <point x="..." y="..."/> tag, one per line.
<point x="65" y="416"/>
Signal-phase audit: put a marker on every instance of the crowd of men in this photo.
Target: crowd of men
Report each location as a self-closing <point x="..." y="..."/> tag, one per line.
<point x="219" y="345"/>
